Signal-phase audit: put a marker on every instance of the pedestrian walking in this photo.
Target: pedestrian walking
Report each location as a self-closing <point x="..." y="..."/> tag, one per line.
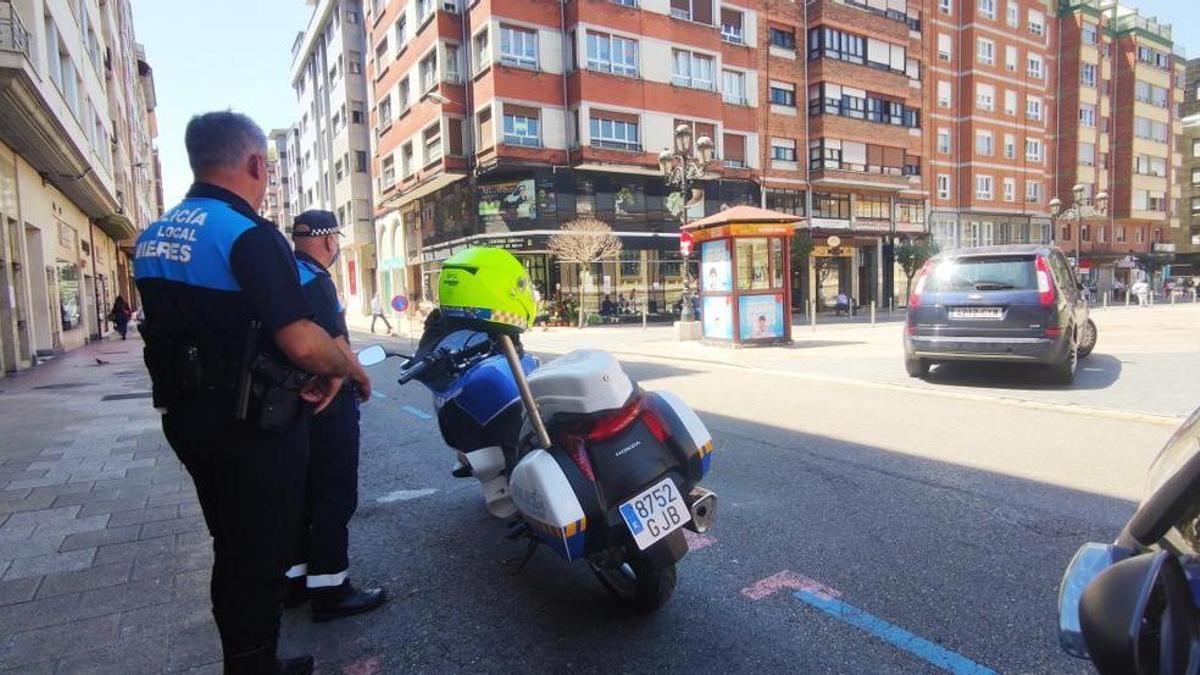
<point x="1141" y="290"/>
<point x="320" y="569"/>
<point x="120" y="315"/>
<point x="377" y="313"/>
<point x="234" y="360"/>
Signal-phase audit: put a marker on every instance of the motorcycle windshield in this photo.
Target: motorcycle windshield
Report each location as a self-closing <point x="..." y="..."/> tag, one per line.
<point x="1183" y="446"/>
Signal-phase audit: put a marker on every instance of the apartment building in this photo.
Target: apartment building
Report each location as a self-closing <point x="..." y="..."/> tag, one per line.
<point x="1188" y="239"/>
<point x="277" y="203"/>
<point x="501" y="124"/>
<point x="78" y="173"/>
<point x="332" y="143"/>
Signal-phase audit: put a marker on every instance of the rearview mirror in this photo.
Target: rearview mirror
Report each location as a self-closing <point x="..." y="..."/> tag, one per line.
<point x="370" y="356"/>
<point x="1138" y="616"/>
<point x="1091" y="559"/>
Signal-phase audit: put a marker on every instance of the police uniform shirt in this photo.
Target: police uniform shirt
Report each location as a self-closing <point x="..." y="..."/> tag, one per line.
<point x="322" y="295"/>
<point x="211" y="265"/>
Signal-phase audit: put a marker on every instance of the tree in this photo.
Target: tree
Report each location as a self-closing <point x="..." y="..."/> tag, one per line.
<point x="583" y="242"/>
<point x="912" y="256"/>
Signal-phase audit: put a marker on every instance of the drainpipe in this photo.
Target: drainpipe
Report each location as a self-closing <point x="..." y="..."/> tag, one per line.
<point x="96" y="282"/>
<point x="811" y="304"/>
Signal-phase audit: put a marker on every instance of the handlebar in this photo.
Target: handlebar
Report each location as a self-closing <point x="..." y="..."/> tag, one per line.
<point x="407" y="374"/>
<point x="420" y="365"/>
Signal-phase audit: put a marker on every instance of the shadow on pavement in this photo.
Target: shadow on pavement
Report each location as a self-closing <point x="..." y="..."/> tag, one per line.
<point x="1098" y="371"/>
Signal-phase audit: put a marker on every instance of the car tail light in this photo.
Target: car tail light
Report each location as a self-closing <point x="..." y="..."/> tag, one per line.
<point x="1054" y="332"/>
<point x="614" y="423"/>
<point x="914" y="300"/>
<point x="1045" y="285"/>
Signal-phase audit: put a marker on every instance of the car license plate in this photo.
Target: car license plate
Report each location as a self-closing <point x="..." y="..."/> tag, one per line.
<point x="655" y="513"/>
<point x="993" y="313"/>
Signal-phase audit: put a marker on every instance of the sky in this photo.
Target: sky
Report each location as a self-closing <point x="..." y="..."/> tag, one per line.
<point x="219" y="54"/>
<point x="213" y="55"/>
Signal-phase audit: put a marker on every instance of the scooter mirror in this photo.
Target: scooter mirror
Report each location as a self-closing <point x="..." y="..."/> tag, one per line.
<point x="1090" y="560"/>
<point x="370" y="356"/>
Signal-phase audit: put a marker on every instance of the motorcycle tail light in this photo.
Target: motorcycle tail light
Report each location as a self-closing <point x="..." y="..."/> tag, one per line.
<point x="578" y="452"/>
<point x="614" y="423"/>
<point x="655" y="425"/>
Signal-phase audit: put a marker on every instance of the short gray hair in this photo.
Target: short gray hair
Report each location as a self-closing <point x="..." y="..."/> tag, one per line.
<point x="222" y="139"/>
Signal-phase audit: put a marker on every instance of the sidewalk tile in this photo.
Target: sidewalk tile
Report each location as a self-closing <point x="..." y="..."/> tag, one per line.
<point x="47" y="644"/>
<point x="184" y="496"/>
<point x="196" y="646"/>
<point x="38" y="614"/>
<point x="172" y="563"/>
<point x="20" y="548"/>
<point x="66" y="527"/>
<point x="50" y="564"/>
<point x="144" y="515"/>
<point x="139" y="657"/>
<point x="134" y="549"/>
<point x="18" y="590"/>
<point x="190" y="523"/>
<point x="112" y="535"/>
<point x="36" y="482"/>
<point x="162" y="619"/>
<point x="113" y="506"/>
<point x="45" y="516"/>
<point x="133" y="595"/>
<point x="100" y="576"/>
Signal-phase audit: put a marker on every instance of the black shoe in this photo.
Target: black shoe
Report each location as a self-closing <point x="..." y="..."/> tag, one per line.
<point x="298" y="665"/>
<point x="295" y="593"/>
<point x="345" y="600"/>
<point x="461" y="470"/>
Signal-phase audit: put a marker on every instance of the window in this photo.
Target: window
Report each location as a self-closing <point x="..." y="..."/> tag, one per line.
<point x="1153" y="57"/>
<point x="483" y="55"/>
<point x="783" y="94"/>
<point x="1087" y="154"/>
<point x="985" y="97"/>
<point x="518" y="47"/>
<point x="1035" y="67"/>
<point x="452" y="71"/>
<point x="734" y="150"/>
<point x="910" y="211"/>
<point x="381" y="53"/>
<point x="1034" y="150"/>
<point x="384" y="114"/>
<point x="1090" y="33"/>
<point x="1010" y="146"/>
<point x="1148" y="93"/>
<point x="432" y="137"/>
<point x="1012" y="14"/>
<point x="988" y="8"/>
<point x="699" y="11"/>
<point x="1010" y="190"/>
<point x="785" y="201"/>
<point x="944" y="6"/>
<point x="1150" y="129"/>
<point x="984" y="143"/>
<point x="1196" y="177"/>
<point x="836" y="44"/>
<point x="521" y="126"/>
<point x="784" y="39"/>
<point x="1010" y="102"/>
<point x="1149" y="200"/>
<point x="401" y="31"/>
<point x="1010" y="58"/>
<point x="833" y="205"/>
<point x="429" y="72"/>
<point x="1087" y="74"/>
<point x="733" y="88"/>
<point x="388" y="179"/>
<point x="1087" y="115"/>
<point x="614" y="131"/>
<point x="1149" y="165"/>
<point x="424" y="10"/>
<point x="1037" y="23"/>
<point x="1033" y="191"/>
<point x="1139" y="235"/>
<point x="983" y="187"/>
<point x="406" y="160"/>
<point x="986" y="50"/>
<point x="691" y="69"/>
<point x="783" y="149"/>
<point x="943" y="94"/>
<point x="611" y="54"/>
<point x="405" y="95"/>
<point x="872" y="208"/>
<point x="943" y="140"/>
<point x="943" y="186"/>
<point x="943" y="47"/>
<point x="1033" y="108"/>
<point x="731" y="26"/>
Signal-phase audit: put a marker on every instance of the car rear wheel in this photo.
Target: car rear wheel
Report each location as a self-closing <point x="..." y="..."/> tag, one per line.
<point x="1087" y="341"/>
<point x="1063" y="372"/>
<point x="916" y="368"/>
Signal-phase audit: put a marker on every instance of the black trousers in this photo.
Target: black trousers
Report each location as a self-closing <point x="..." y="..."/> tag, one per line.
<point x="332" y="492"/>
<point x="250" y="484"/>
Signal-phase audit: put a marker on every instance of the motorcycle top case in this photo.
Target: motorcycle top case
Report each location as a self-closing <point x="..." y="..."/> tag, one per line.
<point x="581" y="382"/>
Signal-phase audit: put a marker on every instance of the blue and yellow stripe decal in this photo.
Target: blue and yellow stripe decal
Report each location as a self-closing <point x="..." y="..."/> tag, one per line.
<point x="567" y="541"/>
<point x="706" y="452"/>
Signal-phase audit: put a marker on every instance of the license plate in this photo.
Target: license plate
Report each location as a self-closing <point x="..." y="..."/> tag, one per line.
<point x="655" y="513"/>
<point x="994" y="313"/>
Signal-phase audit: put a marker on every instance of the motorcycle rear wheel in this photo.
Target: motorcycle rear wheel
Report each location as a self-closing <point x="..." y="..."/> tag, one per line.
<point x="638" y="583"/>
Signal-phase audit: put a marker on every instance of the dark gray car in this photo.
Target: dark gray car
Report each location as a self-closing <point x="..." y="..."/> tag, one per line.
<point x="1018" y="303"/>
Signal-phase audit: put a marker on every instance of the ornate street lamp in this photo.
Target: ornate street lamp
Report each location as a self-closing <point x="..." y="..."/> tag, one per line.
<point x="1082" y="209"/>
<point x="681" y="167"/>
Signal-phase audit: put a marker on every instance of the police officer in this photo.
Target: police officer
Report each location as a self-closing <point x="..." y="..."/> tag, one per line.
<point x="234" y="358"/>
<point x="322" y="563"/>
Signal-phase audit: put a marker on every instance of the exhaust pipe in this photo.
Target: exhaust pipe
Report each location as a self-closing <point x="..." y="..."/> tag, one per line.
<point x="703" y="506"/>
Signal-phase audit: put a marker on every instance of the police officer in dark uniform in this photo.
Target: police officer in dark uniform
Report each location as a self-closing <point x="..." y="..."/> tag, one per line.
<point x="322" y="562"/>
<point x="235" y="360"/>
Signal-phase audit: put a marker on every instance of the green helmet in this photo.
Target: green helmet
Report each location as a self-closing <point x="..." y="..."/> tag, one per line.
<point x="486" y="288"/>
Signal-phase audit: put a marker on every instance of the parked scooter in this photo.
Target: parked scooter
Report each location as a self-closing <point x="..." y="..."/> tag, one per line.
<point x="1131" y="606"/>
<point x="573" y="453"/>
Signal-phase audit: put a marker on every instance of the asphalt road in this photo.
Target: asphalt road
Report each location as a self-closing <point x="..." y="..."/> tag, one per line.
<point x="950" y="520"/>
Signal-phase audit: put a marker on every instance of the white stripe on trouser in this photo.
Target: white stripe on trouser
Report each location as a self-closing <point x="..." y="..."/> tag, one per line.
<point x="297" y="571"/>
<point x="327" y="580"/>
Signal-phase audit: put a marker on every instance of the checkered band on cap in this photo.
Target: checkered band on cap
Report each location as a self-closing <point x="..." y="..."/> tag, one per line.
<point x="315" y="223"/>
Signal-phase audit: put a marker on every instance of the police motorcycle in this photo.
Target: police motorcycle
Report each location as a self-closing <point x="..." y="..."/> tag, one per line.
<point x="1132" y="606"/>
<point x="572" y="453"/>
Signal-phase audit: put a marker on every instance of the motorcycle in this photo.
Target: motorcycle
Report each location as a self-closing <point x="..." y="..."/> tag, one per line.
<point x="573" y="453"/>
<point x="1132" y="606"/>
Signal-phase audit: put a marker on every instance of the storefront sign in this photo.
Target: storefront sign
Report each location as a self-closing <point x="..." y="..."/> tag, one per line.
<point x="827" y="252"/>
<point x="513" y="200"/>
<point x="832" y="223"/>
<point x="743" y="230"/>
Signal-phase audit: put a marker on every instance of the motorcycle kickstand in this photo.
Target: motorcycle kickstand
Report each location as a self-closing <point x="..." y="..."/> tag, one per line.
<point x="520" y="562"/>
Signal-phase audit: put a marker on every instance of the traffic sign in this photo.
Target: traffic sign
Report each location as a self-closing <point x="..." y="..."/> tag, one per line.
<point x="399" y="303"/>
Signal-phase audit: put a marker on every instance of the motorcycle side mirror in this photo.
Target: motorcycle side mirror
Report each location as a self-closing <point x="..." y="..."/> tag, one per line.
<point x="370" y="356"/>
<point x="1138" y="616"/>
<point x="1091" y="559"/>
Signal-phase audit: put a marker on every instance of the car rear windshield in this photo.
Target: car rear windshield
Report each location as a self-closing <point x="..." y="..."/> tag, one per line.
<point x="993" y="273"/>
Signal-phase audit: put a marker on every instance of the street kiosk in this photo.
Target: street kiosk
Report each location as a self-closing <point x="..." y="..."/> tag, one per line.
<point x="745" y="267"/>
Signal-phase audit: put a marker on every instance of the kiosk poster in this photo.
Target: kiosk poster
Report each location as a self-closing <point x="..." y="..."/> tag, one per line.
<point x="717" y="317"/>
<point x="717" y="273"/>
<point x="512" y="200"/>
<point x="760" y="316"/>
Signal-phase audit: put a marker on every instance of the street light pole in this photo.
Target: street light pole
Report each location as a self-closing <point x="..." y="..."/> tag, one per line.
<point x="680" y="167"/>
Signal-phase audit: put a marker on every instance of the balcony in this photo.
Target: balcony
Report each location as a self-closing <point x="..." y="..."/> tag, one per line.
<point x="39" y="125"/>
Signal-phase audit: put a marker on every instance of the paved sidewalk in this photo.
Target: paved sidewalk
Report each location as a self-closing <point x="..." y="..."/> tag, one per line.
<point x="104" y="555"/>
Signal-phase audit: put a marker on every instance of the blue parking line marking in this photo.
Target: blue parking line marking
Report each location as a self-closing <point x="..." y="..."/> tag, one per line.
<point x="380" y="394"/>
<point x="417" y="412"/>
<point x="895" y="636"/>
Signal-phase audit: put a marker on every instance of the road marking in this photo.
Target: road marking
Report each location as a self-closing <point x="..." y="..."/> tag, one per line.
<point x="380" y="394"/>
<point x="894" y="635"/>
<point x="696" y="541"/>
<point x="405" y="495"/>
<point x="789" y="580"/>
<point x="417" y="412"/>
